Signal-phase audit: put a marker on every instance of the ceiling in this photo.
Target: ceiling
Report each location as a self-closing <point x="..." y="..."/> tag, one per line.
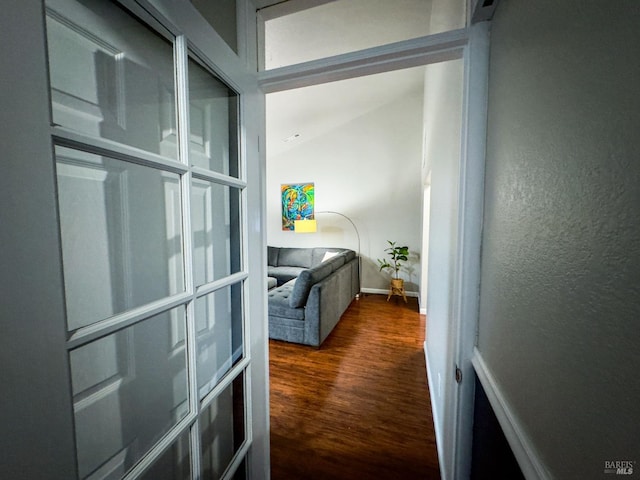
<point x="314" y="111"/>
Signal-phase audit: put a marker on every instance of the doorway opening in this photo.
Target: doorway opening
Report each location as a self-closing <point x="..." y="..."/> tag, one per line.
<point x="440" y="58"/>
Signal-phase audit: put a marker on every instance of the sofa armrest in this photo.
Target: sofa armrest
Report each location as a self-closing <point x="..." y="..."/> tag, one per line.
<point x="328" y="299"/>
<point x="307" y="279"/>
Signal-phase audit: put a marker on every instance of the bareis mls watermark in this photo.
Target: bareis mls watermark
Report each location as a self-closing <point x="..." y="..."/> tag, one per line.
<point x="619" y="467"/>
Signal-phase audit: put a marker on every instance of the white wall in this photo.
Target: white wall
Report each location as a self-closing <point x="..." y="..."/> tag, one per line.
<point x="441" y="120"/>
<point x="559" y="308"/>
<point x="426" y="218"/>
<point x="221" y="14"/>
<point x="367" y="169"/>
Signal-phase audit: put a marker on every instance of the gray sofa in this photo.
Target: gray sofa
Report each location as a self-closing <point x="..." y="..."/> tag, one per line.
<point x="312" y="290"/>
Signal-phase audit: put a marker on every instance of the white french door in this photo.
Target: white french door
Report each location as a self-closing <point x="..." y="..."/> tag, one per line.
<point x="151" y="177"/>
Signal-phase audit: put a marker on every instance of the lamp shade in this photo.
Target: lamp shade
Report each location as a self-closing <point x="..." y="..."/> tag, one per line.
<point x="305" y="226"/>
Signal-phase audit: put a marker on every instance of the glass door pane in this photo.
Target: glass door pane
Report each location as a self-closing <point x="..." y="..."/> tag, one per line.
<point x="121" y="235"/>
<point x="174" y="464"/>
<point x="129" y="388"/>
<point x="111" y="76"/>
<point x="215" y="219"/>
<point x="213" y="122"/>
<point x="222" y="427"/>
<point x="219" y="335"/>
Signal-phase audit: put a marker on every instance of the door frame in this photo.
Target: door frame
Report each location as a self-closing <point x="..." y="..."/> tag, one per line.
<point x="466" y="292"/>
<point x="33" y="343"/>
<point x="471" y="45"/>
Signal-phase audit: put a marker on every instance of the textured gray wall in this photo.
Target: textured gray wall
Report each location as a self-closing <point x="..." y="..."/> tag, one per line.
<point x="560" y="291"/>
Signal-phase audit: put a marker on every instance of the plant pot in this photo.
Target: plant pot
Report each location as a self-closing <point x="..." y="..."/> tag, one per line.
<point x="397" y="288"/>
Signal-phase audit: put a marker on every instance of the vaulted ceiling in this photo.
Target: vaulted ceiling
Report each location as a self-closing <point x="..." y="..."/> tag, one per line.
<point x="313" y="111"/>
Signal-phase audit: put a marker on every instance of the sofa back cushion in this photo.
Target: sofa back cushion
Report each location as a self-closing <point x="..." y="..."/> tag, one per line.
<point x="349" y="255"/>
<point x="272" y="256"/>
<point x="318" y="254"/>
<point x="336" y="262"/>
<point x="295" y="257"/>
<point x="306" y="280"/>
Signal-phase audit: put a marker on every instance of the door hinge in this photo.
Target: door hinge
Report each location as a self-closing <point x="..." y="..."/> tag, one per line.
<point x="458" y="375"/>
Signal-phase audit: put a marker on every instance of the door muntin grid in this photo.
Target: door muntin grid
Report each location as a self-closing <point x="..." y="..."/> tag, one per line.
<point x="127" y="239"/>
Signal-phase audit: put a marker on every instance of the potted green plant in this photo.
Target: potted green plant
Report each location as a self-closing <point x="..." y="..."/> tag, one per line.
<point x="398" y="255"/>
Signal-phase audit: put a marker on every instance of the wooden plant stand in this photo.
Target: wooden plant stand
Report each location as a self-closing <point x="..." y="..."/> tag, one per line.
<point x="396" y="287"/>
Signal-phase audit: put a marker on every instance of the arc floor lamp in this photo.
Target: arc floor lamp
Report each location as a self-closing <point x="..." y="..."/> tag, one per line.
<point x="311" y="226"/>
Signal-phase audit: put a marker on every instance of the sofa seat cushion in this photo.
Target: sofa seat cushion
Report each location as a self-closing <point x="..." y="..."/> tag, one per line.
<point x="284" y="274"/>
<point x="278" y="301"/>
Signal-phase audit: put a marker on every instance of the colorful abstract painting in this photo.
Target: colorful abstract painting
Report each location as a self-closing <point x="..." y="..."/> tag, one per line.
<point x="297" y="203"/>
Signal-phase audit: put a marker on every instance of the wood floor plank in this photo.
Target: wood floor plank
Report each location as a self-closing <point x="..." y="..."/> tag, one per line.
<point x="358" y="407"/>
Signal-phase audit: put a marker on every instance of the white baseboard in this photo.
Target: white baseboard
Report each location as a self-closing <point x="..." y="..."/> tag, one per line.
<point x="381" y="291"/>
<point x="525" y="452"/>
<point x="438" y="420"/>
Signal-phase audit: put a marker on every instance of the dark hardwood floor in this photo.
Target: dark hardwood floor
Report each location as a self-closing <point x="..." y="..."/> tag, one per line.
<point x="358" y="407"/>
